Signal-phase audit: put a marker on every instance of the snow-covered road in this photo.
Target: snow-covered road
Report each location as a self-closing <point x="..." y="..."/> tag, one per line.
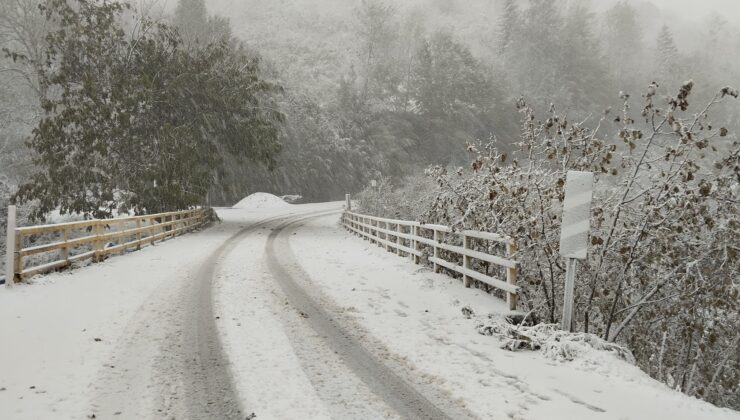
<point x="282" y="313"/>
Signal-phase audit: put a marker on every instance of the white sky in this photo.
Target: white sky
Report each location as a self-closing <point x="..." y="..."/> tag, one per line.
<point x="727" y="8"/>
<point x="692" y="9"/>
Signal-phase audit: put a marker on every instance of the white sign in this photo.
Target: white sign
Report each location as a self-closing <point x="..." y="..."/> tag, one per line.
<point x="373" y="183"/>
<point x="576" y="214"/>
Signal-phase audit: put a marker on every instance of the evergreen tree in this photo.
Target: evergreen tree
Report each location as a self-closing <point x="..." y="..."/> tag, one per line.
<point x="509" y="24"/>
<point x="624" y="50"/>
<point x="585" y="79"/>
<point x="449" y="80"/>
<point x="141" y="123"/>
<point x="539" y="52"/>
<point x="378" y="32"/>
<point x="196" y="27"/>
<point x="667" y="60"/>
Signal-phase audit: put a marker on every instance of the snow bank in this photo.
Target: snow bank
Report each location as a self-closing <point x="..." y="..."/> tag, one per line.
<point x="261" y="200"/>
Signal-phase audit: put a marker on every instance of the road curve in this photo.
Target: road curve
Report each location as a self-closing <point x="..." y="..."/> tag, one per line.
<point x="170" y="361"/>
<point x="380" y="379"/>
<point x="209" y="386"/>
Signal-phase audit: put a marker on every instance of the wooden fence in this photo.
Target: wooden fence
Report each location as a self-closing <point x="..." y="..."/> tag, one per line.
<point x="65" y="243"/>
<point x="408" y="237"/>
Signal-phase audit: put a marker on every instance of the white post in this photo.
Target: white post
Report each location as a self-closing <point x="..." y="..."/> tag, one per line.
<point x="417" y="233"/>
<point x="511" y="274"/>
<point x="466" y="260"/>
<point x="10" y="249"/>
<point x="570" y="280"/>
<point x="412" y="243"/>
<point x="436" y="250"/>
<point x="399" y="241"/>
<point x="385" y="235"/>
<point x="348" y="202"/>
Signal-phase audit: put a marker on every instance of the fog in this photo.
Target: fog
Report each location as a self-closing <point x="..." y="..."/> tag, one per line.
<point x="466" y="113"/>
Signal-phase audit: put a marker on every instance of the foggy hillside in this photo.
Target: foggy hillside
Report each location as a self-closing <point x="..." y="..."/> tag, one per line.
<point x="465" y="114"/>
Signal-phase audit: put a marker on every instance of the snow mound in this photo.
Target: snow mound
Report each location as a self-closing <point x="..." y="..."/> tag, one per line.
<point x="261" y="200"/>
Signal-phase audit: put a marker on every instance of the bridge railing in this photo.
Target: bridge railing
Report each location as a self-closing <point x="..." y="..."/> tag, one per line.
<point x="411" y="237"/>
<point x="39" y="249"/>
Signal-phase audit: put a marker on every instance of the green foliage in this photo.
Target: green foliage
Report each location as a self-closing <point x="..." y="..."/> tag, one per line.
<point x="138" y="122"/>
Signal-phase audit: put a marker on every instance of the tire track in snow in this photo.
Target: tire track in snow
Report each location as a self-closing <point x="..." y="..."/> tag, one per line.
<point x="187" y="374"/>
<point x="380" y="379"/>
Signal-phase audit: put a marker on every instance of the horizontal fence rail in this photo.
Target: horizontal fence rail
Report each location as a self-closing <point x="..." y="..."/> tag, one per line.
<point x="39" y="249"/>
<point x="410" y="238"/>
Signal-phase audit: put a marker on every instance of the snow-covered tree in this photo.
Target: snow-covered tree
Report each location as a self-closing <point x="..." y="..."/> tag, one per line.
<point x="139" y="122"/>
<point x="196" y="27"/>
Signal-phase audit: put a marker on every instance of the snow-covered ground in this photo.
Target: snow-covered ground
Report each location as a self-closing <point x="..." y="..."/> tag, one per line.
<point x="51" y="361"/>
<point x="417" y="315"/>
<point x="57" y="331"/>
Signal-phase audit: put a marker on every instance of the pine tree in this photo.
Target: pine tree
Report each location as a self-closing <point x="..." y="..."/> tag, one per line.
<point x="623" y="44"/>
<point x="509" y="24"/>
<point x="449" y="79"/>
<point x="583" y="75"/>
<point x="667" y="66"/>
<point x="378" y="32"/>
<point x="196" y="27"/>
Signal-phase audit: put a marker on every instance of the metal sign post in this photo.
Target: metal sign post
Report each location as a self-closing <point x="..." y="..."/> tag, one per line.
<point x="574" y="233"/>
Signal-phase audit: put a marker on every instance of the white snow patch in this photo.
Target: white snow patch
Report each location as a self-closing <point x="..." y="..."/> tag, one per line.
<point x="259" y="201"/>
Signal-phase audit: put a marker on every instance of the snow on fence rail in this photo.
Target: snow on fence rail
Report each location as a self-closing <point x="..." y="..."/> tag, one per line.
<point x="408" y="237"/>
<point x="88" y="239"/>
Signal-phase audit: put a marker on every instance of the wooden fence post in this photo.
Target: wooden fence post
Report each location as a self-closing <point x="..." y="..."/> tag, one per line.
<point x="411" y="243"/>
<point x="348" y="202"/>
<point x="138" y="234"/>
<point x="65" y="250"/>
<point x="377" y="233"/>
<point x="385" y="236"/>
<point x="10" y="244"/>
<point x="511" y="273"/>
<point x="98" y="244"/>
<point x="417" y="232"/>
<point x="399" y="241"/>
<point x="436" y="250"/>
<point x="466" y="260"/>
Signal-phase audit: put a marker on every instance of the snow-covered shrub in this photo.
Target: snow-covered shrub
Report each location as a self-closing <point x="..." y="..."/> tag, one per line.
<point x="549" y="339"/>
<point x="661" y="275"/>
<point x="407" y="202"/>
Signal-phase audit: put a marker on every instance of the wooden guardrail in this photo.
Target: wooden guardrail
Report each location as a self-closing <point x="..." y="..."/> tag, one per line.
<point x="89" y="239"/>
<point x="408" y="237"/>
